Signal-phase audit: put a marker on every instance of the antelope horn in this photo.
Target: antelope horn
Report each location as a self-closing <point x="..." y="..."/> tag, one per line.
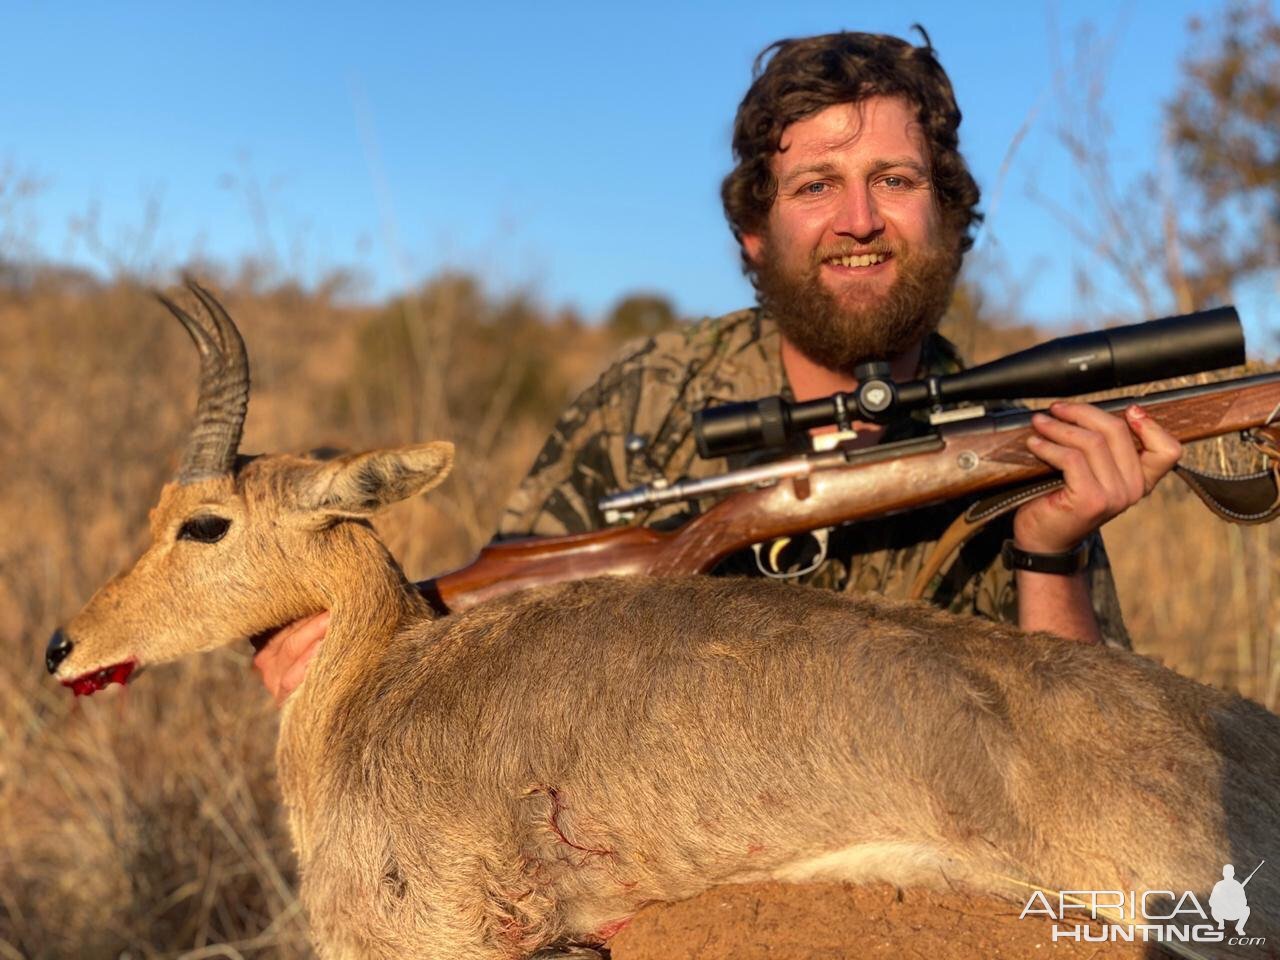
<point x="224" y="388"/>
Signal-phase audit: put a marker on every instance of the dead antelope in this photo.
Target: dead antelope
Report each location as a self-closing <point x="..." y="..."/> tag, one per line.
<point x="525" y="775"/>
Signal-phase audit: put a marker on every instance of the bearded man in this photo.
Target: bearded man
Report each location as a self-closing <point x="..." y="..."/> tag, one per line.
<point x="853" y="209"/>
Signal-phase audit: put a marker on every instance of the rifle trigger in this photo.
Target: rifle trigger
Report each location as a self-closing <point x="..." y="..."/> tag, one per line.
<point x="777" y="549"/>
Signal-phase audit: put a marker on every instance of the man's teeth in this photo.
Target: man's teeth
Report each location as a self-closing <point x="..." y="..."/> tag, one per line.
<point x="865" y="260"/>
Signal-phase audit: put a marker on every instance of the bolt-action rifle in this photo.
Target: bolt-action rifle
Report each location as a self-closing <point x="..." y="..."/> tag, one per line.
<point x="968" y="450"/>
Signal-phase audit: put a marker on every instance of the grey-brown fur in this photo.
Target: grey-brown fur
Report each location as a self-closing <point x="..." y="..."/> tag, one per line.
<point x="536" y="768"/>
<point x="532" y="771"/>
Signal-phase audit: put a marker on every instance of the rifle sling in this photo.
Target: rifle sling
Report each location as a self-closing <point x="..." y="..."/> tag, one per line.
<point x="965" y="526"/>
<point x="1247" y="499"/>
<point x="1251" y="498"/>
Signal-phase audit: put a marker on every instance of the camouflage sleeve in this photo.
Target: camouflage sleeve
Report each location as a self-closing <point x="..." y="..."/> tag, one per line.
<point x="584" y="458"/>
<point x="1106" y="599"/>
<point x="996" y="596"/>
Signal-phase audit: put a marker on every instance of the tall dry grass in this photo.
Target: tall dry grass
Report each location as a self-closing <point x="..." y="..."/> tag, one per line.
<point x="144" y="822"/>
<point x="1200" y="594"/>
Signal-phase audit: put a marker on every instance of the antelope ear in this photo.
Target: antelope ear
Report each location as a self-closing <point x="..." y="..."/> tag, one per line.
<point x="361" y="484"/>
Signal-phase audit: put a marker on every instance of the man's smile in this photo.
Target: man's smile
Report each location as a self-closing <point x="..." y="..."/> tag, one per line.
<point x="854" y="271"/>
<point x="861" y="264"/>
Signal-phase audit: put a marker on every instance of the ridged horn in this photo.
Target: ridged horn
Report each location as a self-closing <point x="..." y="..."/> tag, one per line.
<point x="224" y="388"/>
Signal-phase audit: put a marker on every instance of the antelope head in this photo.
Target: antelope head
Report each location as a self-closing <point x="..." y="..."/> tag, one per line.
<point x="240" y="545"/>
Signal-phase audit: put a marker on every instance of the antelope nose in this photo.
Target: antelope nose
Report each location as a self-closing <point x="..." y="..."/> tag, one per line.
<point x="59" y="646"/>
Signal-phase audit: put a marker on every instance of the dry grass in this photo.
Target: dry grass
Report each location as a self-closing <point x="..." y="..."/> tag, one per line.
<point x="144" y="822"/>
<point x="1200" y="595"/>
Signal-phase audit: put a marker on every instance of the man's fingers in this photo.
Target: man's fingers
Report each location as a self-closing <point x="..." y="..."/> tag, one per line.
<point x="282" y="662"/>
<point x="294" y="674"/>
<point x="265" y="663"/>
<point x="1083" y="496"/>
<point x="1119" y="439"/>
<point x="1099" y="468"/>
<point x="1108" y="464"/>
<point x="1160" y="449"/>
<point x="1141" y="465"/>
<point x="298" y="638"/>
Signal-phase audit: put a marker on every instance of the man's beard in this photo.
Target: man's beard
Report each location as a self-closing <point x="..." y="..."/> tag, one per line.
<point x="839" y="336"/>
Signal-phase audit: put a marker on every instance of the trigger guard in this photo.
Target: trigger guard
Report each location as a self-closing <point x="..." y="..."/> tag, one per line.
<point x="820" y="536"/>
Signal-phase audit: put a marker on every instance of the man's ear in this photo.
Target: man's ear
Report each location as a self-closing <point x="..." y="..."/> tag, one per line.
<point x="361" y="484"/>
<point x="753" y="246"/>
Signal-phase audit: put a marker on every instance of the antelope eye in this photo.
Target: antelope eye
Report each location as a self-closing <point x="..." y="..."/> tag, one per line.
<point x="206" y="529"/>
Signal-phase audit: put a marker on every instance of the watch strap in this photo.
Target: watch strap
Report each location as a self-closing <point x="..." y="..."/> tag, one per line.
<point x="1063" y="564"/>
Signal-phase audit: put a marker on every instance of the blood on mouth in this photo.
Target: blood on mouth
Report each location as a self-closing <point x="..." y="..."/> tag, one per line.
<point x="90" y="683"/>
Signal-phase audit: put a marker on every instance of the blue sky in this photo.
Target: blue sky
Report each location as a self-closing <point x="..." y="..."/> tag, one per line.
<point x="571" y="149"/>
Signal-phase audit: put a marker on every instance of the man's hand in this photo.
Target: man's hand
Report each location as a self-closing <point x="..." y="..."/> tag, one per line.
<point x="1105" y="473"/>
<point x="282" y="663"/>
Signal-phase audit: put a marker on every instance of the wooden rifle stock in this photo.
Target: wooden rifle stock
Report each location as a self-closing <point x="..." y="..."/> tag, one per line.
<point x="963" y="458"/>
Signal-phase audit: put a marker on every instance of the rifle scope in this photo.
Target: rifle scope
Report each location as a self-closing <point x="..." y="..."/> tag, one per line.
<point x="1064" y="367"/>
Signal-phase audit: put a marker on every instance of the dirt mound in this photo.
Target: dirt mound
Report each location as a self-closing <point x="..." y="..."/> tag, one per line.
<point x="776" y="921"/>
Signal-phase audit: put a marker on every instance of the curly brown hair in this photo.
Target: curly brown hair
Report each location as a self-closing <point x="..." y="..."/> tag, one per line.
<point x="805" y="76"/>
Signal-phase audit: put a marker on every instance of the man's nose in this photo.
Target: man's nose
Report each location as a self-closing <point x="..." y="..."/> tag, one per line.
<point x="858" y="216"/>
<point x="59" y="647"/>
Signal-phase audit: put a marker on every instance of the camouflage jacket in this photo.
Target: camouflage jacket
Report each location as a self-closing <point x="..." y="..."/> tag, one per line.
<point x="650" y="394"/>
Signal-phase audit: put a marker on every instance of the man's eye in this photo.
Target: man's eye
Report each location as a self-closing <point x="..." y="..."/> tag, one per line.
<point x="205" y="529"/>
<point x="894" y="182"/>
<point x="814" y="188"/>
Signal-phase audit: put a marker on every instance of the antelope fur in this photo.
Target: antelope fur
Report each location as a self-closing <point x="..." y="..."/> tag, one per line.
<point x="530" y="772"/>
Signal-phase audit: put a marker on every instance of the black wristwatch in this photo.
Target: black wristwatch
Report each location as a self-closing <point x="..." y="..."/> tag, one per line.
<point x="1064" y="564"/>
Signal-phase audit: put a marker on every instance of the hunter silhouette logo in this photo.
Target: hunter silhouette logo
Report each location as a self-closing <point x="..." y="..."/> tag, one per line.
<point x="1227" y="901"/>
<point x="1149" y="915"/>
